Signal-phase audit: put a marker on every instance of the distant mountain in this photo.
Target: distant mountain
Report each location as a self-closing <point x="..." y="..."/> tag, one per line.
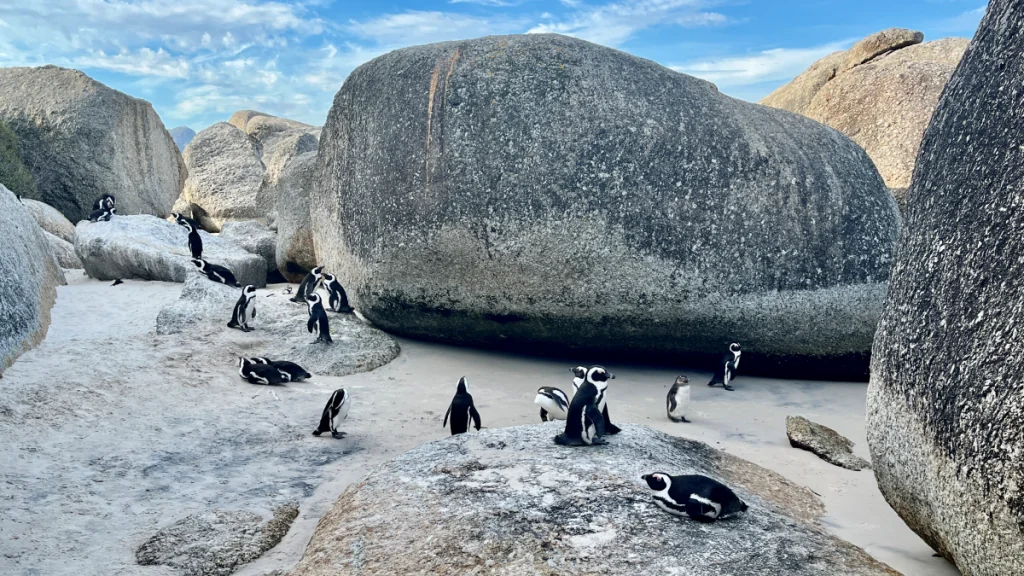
<point x="182" y="136"/>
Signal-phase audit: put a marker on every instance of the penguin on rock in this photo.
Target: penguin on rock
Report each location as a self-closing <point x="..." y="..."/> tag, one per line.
<point x="195" y="242"/>
<point x="317" y="322"/>
<point x="297" y="373"/>
<point x="216" y="273"/>
<point x="584" y="424"/>
<point x="336" y="297"/>
<point x="554" y="404"/>
<point x="239" y="315"/>
<point x="699" y="497"/>
<point x="256" y="373"/>
<point x="309" y="284"/>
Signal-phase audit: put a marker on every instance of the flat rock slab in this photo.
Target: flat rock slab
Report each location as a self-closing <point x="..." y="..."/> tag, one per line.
<point x="509" y="501"/>
<point x="279" y="329"/>
<point x="217" y="542"/>
<point x="828" y="444"/>
<point x="255" y="237"/>
<point x="149" y="248"/>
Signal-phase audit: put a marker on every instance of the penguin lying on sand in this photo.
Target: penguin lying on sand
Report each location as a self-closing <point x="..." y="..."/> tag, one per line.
<point x="318" y="322"/>
<point x="698" y="497"/>
<point x="554" y="404"/>
<point x="297" y="373"/>
<point x="726" y="369"/>
<point x="336" y="299"/>
<point x="260" y="373"/>
<point x="584" y="425"/>
<point x="238" y="315"/>
<point x="677" y="403"/>
<point x="309" y="284"/>
<point x="334" y="413"/>
<point x="216" y="273"/>
<point x="462" y="410"/>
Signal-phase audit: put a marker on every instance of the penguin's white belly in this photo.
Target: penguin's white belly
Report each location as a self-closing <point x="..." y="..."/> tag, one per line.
<point x="552" y="407"/>
<point x="664" y="506"/>
<point x="682" y="402"/>
<point x="341" y="415"/>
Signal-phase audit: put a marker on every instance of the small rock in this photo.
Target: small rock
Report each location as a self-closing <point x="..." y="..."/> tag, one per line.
<point x="828" y="444"/>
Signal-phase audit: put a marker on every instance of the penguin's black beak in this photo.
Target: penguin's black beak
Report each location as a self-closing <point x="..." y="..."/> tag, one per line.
<point x="644" y="477"/>
<point x="611" y="376"/>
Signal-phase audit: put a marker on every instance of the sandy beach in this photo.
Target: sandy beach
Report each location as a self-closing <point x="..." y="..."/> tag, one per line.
<point x="109" y="432"/>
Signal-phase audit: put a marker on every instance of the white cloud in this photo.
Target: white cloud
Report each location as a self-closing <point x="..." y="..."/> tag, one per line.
<point x="615" y="23"/>
<point x="766" y="66"/>
<point x="142" y="62"/>
<point x="414" y="27"/>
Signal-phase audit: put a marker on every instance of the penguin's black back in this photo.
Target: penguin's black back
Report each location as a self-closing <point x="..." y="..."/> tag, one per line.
<point x="585" y="397"/>
<point x="684" y="486"/>
<point x="460" y="409"/>
<point x="195" y="244"/>
<point x="266" y="371"/>
<point x="297" y="372"/>
<point x="223" y="272"/>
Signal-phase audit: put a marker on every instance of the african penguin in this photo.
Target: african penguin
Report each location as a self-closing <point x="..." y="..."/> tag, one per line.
<point x="105" y="202"/>
<point x="297" y="373"/>
<point x="260" y="373"/>
<point x="216" y="273"/>
<point x="554" y="404"/>
<point x="579" y="376"/>
<point x="725" y="371"/>
<point x="195" y="243"/>
<point x="336" y="297"/>
<point x="181" y="220"/>
<point x="584" y="425"/>
<point x="334" y="413"/>
<point x="318" y="319"/>
<point x="238" y="315"/>
<point x="677" y="403"/>
<point x="698" y="497"/>
<point x="102" y="215"/>
<point x="462" y="410"/>
<point x="309" y="284"/>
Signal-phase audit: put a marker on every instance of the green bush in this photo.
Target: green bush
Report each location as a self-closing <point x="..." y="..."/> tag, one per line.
<point x="13" y="173"/>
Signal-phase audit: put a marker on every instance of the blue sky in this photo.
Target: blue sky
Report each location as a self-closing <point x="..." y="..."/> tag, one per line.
<point x="198" y="61"/>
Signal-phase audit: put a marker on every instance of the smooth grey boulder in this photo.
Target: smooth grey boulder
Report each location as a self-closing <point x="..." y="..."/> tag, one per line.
<point x="512" y="501"/>
<point x="63" y="251"/>
<point x="50" y="219"/>
<point x="826" y="443"/>
<point x="30" y="279"/>
<point x="82" y="139"/>
<point x="550" y="193"/>
<point x="279" y="329"/>
<point x="149" y="248"/>
<point x="255" y="237"/>
<point x="225" y="175"/>
<point x="216" y="543"/>
<point x="291" y="172"/>
<point x="270" y="131"/>
<point x="945" y="407"/>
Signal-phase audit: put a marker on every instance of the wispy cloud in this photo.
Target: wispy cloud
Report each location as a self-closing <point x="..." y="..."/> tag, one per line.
<point x="615" y="23"/>
<point x="414" y="27"/>
<point x="765" y="66"/>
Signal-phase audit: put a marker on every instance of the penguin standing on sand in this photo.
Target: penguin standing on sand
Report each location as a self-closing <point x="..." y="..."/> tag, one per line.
<point x="318" y="319"/>
<point x="105" y="202"/>
<point x="297" y="373"/>
<point x="216" y="273"/>
<point x="584" y="425"/>
<point x="677" y="403"/>
<point x="238" y="315"/>
<point x="698" y="497"/>
<point x="195" y="243"/>
<point x="102" y="214"/>
<point x="462" y="410"/>
<point x="336" y="297"/>
<point x="554" y="404"/>
<point x="334" y="414"/>
<point x="726" y="369"/>
<point x="309" y="284"/>
<point x="260" y="373"/>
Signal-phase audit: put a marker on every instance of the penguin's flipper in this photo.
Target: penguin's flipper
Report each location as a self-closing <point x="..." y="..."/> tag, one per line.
<point x="609" y="428"/>
<point x="594" y="415"/>
<point x="700" y="509"/>
<point x="447" y="412"/>
<point x="543" y="415"/>
<point x="310" y="324"/>
<point x="254" y="308"/>
<point x="475" y="416"/>
<point x="671" y="404"/>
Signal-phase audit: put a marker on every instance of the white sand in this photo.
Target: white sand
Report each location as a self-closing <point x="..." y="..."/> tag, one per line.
<point x="108" y="432"/>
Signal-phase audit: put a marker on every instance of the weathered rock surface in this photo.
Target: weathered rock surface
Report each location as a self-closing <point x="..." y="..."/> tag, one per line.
<point x="182" y="135"/>
<point x="823" y="441"/>
<point x="640" y="211"/>
<point x="881" y="93"/>
<point x="509" y="501"/>
<point x="280" y="329"/>
<point x="215" y="543"/>
<point x="255" y="237"/>
<point x="945" y="407"/>
<point x="50" y="219"/>
<point x="31" y="276"/>
<point x="63" y="251"/>
<point x="149" y="248"/>
<point x="225" y="175"/>
<point x="270" y="131"/>
<point x="82" y="139"/>
<point x="290" y="173"/>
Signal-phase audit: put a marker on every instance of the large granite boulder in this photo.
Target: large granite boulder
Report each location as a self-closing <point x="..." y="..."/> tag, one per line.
<point x="82" y="139"/>
<point x="554" y="193"/>
<point x="149" y="248"/>
<point x="945" y="407"/>
<point x="225" y="175"/>
<point x="279" y="329"/>
<point x="270" y="131"/>
<point x="881" y="93"/>
<point x="50" y="219"/>
<point x="255" y="237"/>
<point x="290" y="173"/>
<point x="510" y="501"/>
<point x="63" y="251"/>
<point x="31" y="276"/>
